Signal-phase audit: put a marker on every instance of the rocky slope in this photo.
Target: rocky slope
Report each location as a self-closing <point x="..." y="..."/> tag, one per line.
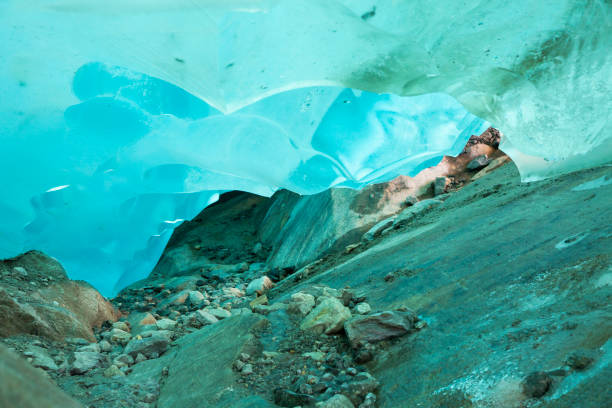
<point x="460" y="287"/>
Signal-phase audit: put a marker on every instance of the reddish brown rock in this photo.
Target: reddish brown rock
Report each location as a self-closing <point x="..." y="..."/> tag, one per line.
<point x="43" y="301"/>
<point x="379" y="326"/>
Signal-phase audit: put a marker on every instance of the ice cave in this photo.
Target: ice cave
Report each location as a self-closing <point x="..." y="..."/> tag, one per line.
<point x="244" y="162"/>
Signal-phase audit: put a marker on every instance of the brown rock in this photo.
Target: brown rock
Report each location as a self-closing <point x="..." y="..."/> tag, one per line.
<point x="56" y="307"/>
<point x="16" y="318"/>
<point x="83" y="301"/>
<point x="379" y="326"/>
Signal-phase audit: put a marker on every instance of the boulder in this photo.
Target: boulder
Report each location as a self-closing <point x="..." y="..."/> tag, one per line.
<point x="140" y="322"/>
<point x="166" y="324"/>
<point x="328" y="317"/>
<point x="85" y="361"/>
<point x="301" y="303"/>
<point x="379" y="326"/>
<point x="119" y="336"/>
<point x="148" y="346"/>
<point x="259" y="286"/>
<point x="195" y="297"/>
<point x="121" y="325"/>
<point x="55" y="307"/>
<point x="363" y="308"/>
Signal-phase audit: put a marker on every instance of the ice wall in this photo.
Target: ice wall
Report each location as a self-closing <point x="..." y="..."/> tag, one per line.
<point x="538" y="70"/>
<point x="101" y="183"/>
<point x="100" y="162"/>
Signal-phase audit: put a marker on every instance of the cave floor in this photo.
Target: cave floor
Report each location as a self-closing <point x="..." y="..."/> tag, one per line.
<point x="507" y="279"/>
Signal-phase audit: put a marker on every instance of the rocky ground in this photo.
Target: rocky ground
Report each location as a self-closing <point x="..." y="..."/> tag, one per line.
<point x="460" y="287"/>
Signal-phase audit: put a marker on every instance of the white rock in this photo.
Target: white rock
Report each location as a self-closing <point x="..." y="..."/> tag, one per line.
<point x="233" y="292"/>
<point x="196" y="297"/>
<point x="328" y="317"/>
<point x="315" y="355"/>
<point x="119" y="336"/>
<point x="259" y="286"/>
<point x="301" y="303"/>
<point x="363" y="308"/>
<point x="166" y="324"/>
<point x="84" y="361"/>
<point x="20" y="271"/>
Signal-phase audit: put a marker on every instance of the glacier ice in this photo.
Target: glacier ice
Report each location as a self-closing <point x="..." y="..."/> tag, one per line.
<point x="110" y="176"/>
<point x="118" y="119"/>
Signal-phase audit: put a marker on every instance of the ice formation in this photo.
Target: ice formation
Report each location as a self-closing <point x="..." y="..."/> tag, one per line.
<point x="111" y="176"/>
<point x="120" y="118"/>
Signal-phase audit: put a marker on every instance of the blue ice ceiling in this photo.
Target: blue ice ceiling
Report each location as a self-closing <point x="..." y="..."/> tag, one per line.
<point x="120" y="118"/>
<point x="102" y="184"/>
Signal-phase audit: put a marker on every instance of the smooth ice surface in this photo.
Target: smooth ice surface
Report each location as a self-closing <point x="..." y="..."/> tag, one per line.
<point x="101" y="183"/>
<point x="100" y="163"/>
<point x="540" y="71"/>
